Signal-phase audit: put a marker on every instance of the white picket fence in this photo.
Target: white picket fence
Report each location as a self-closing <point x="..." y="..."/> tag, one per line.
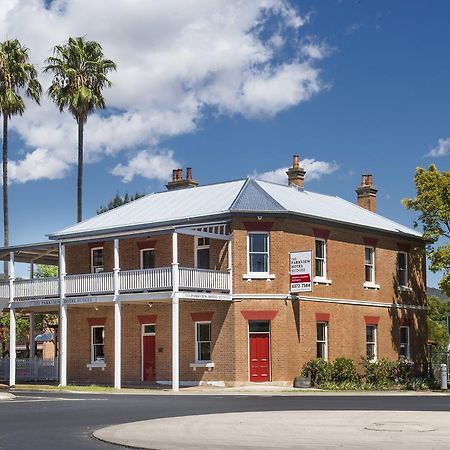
<point x="31" y="369"/>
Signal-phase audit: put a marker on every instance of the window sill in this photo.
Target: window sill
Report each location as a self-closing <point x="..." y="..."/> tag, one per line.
<point x="96" y="365"/>
<point x="404" y="289"/>
<point x="202" y="364"/>
<point x="324" y="281"/>
<point x="258" y="276"/>
<point x="371" y="286"/>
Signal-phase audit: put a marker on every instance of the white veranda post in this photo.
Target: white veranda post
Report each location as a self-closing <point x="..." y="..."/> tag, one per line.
<point x="175" y="315"/>
<point x="117" y="320"/>
<point x="12" y="323"/>
<point x="62" y="318"/>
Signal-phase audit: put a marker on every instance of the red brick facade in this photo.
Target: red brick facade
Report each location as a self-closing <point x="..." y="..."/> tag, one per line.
<point x="293" y="320"/>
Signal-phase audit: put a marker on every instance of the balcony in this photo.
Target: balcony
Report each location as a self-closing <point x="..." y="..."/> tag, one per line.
<point x="130" y="281"/>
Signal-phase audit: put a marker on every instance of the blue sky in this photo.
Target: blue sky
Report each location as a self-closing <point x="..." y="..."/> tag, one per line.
<point x="357" y="86"/>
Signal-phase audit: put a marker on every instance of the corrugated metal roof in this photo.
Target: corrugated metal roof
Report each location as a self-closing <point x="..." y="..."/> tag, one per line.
<point x="254" y="198"/>
<point x="162" y="207"/>
<point x="204" y="202"/>
<point x="336" y="209"/>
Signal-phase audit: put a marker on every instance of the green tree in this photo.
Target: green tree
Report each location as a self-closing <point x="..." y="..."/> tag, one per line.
<point x="17" y="77"/>
<point x="433" y="204"/>
<point x="438" y="310"/>
<point x="79" y="76"/>
<point x="46" y="271"/>
<point x="118" y="200"/>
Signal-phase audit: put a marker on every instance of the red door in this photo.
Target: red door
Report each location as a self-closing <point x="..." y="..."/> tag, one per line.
<point x="148" y="358"/>
<point x="259" y="357"/>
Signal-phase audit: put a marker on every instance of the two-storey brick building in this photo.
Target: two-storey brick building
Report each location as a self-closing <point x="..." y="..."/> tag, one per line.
<point x="193" y="285"/>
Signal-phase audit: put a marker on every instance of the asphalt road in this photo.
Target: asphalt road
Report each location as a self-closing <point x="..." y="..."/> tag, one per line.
<point x="66" y="420"/>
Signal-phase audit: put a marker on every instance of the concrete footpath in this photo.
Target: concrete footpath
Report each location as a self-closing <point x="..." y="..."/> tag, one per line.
<point x="399" y="430"/>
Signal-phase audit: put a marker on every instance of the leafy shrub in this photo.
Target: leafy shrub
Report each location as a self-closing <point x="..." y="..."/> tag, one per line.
<point x="405" y="371"/>
<point x="319" y="370"/>
<point x="344" y="370"/>
<point x="380" y="374"/>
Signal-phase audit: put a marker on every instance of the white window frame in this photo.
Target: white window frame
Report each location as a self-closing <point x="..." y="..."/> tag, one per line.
<point x="141" y="255"/>
<point x="93" y="361"/>
<point x="323" y="278"/>
<point x="92" y="259"/>
<point x="406" y="284"/>
<point x="325" y="342"/>
<point x="197" y="360"/>
<point x="407" y="344"/>
<point x="370" y="284"/>
<point x="374" y="343"/>
<point x="142" y="343"/>
<point x="197" y="247"/>
<point x="258" y="274"/>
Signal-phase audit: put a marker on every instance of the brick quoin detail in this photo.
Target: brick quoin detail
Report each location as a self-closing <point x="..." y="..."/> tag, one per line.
<point x="202" y="316"/>
<point x="96" y="321"/>
<point x="371" y="320"/>
<point x="404" y="247"/>
<point x="321" y="233"/>
<point x="370" y="241"/>
<point x="258" y="226"/>
<point x="147" y="318"/>
<point x="151" y="243"/>
<point x="322" y="317"/>
<point x="259" y="315"/>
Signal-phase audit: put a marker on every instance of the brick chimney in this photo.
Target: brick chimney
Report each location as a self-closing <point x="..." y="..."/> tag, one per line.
<point x="178" y="182"/>
<point x="367" y="193"/>
<point x="296" y="174"/>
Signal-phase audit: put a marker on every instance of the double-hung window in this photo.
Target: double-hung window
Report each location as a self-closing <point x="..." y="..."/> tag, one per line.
<point x="97" y="344"/>
<point x="258" y="252"/>
<point x="202" y="341"/>
<point x="404" y="342"/>
<point x="322" y="340"/>
<point x="148" y="258"/>
<point x="371" y="342"/>
<point x="97" y="260"/>
<point x="321" y="259"/>
<point x="369" y="265"/>
<point x="402" y="266"/>
<point x="202" y="253"/>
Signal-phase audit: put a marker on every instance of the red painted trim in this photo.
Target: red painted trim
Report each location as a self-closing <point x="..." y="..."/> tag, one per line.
<point x="259" y="315"/>
<point x="371" y="320"/>
<point x="404" y="247"/>
<point x="96" y="244"/>
<point x="322" y="317"/>
<point x="405" y="322"/>
<point x="370" y="241"/>
<point x="258" y="226"/>
<point x="96" y="321"/>
<point x="147" y="318"/>
<point x="202" y="316"/>
<point x="321" y="233"/>
<point x="146" y="244"/>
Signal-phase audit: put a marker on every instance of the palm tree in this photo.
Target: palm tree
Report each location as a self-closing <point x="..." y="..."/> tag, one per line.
<point x="79" y="76"/>
<point x="17" y="75"/>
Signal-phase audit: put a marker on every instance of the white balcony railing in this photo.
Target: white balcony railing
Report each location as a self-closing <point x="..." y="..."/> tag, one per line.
<point x="129" y="281"/>
<point x="90" y="283"/>
<point x="145" y="279"/>
<point x="37" y="287"/>
<point x="204" y="279"/>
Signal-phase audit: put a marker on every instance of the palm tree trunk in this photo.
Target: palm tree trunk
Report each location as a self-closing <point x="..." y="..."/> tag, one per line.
<point x="80" y="172"/>
<point x="5" y="189"/>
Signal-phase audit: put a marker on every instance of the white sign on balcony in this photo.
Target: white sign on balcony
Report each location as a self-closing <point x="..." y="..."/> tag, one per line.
<point x="300" y="264"/>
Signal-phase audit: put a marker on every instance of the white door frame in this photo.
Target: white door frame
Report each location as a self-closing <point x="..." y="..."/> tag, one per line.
<point x="269" y="333"/>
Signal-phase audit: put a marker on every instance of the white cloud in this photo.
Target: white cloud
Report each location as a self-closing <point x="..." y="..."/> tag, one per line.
<point x="442" y="149"/>
<point x="148" y="164"/>
<point x="314" y="171"/>
<point x="175" y="61"/>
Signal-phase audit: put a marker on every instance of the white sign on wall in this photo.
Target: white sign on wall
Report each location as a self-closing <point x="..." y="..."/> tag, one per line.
<point x="300" y="271"/>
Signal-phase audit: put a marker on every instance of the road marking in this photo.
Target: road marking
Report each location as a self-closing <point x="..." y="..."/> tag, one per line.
<point x="51" y="399"/>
